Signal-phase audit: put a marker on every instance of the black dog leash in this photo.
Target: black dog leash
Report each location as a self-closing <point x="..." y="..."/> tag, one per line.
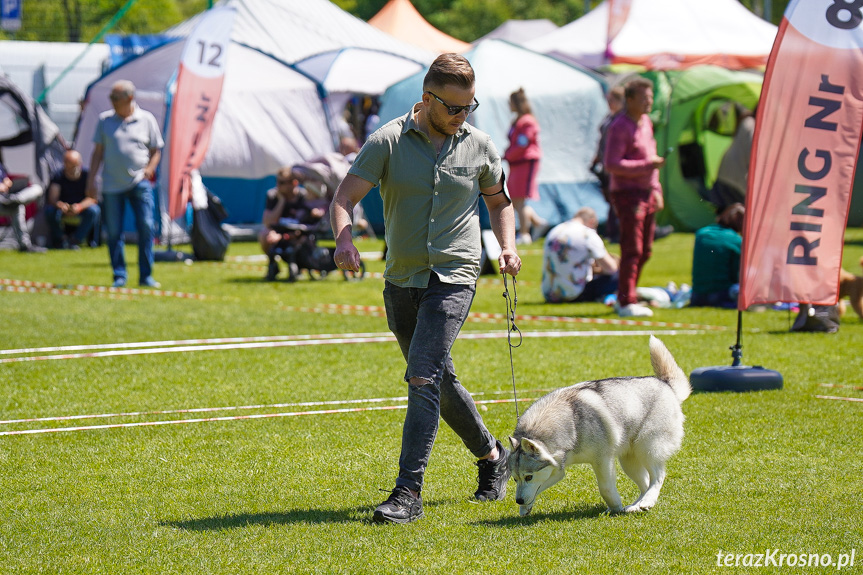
<point x="511" y="304"/>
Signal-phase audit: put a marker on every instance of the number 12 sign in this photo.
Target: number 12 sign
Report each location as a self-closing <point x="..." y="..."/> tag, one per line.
<point x="199" y="87"/>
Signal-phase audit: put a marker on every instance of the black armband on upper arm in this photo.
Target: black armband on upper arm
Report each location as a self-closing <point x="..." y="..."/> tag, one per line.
<point x="502" y="187"/>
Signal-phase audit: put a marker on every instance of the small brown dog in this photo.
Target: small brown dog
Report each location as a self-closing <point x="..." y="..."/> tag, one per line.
<point x="851" y="286"/>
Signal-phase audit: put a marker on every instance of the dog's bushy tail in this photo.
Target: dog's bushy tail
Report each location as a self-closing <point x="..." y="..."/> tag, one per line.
<point x="666" y="369"/>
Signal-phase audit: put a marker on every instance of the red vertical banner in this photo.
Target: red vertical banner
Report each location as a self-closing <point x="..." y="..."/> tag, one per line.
<point x="618" y="12"/>
<point x="199" y="87"/>
<point x="807" y="136"/>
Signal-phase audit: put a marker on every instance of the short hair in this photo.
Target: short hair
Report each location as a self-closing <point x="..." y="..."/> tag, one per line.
<point x="449" y="70"/>
<point x="286" y="173"/>
<point x="520" y="102"/>
<point x="616" y="93"/>
<point x="586" y="214"/>
<point x="635" y="86"/>
<point x="126" y="87"/>
<point x="732" y="217"/>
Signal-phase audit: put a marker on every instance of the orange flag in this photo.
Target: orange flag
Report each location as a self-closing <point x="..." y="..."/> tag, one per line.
<point x="199" y="87"/>
<point x="807" y="136"/>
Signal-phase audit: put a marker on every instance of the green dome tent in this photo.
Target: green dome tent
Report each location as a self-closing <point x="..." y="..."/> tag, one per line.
<point x="694" y="119"/>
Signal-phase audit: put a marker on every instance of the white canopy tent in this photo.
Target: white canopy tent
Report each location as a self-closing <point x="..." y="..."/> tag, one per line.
<point x="290" y="31"/>
<point x="354" y="69"/>
<point x="348" y="71"/>
<point x="37" y="66"/>
<point x="520" y="31"/>
<point x="666" y="34"/>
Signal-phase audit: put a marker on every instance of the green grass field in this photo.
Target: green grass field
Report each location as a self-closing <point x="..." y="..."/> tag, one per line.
<point x="775" y="472"/>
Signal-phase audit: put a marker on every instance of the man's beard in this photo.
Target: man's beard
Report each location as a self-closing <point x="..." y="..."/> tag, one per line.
<point x="441" y="127"/>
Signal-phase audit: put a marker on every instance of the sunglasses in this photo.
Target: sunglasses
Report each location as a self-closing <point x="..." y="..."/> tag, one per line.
<point x="453" y="110"/>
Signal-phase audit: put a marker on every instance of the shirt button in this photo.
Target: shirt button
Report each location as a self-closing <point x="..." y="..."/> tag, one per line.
<point x="432" y="221"/>
<point x="435" y="193"/>
<point x="429" y="244"/>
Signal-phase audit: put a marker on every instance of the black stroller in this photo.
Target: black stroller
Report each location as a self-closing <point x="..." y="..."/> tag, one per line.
<point x="300" y="251"/>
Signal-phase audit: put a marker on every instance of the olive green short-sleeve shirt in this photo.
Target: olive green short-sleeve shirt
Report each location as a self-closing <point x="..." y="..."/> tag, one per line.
<point x="431" y="201"/>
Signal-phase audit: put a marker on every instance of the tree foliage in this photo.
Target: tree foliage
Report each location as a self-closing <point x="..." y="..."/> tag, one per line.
<point x="83" y="20"/>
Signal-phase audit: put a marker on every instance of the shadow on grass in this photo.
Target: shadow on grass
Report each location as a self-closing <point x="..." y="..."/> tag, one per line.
<point x="313" y="516"/>
<point x="243" y="520"/>
<point x="579" y="513"/>
<point x="251" y="280"/>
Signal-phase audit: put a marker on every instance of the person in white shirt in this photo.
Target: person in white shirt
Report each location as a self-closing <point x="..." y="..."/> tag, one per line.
<point x="576" y="267"/>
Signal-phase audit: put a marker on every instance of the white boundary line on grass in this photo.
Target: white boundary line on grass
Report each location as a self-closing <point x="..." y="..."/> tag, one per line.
<point x="329" y="340"/>
<point x="238" y="408"/>
<point x="142" y="344"/>
<point x="855" y="399"/>
<point x="841" y="386"/>
<point x="201" y="410"/>
<point x="228" y="418"/>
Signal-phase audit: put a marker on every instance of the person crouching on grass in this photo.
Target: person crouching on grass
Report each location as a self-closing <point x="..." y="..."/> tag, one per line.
<point x="432" y="168"/>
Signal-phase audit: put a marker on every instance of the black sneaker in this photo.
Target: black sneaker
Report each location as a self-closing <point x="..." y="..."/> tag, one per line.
<point x="400" y="507"/>
<point x="493" y="476"/>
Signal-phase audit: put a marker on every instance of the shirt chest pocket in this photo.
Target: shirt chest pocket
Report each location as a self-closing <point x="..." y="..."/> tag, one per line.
<point x="459" y="179"/>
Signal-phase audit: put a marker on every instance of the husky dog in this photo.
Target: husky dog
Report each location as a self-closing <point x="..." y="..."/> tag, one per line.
<point x="634" y="419"/>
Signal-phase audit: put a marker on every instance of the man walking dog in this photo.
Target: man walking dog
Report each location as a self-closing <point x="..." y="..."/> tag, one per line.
<point x="432" y="168"/>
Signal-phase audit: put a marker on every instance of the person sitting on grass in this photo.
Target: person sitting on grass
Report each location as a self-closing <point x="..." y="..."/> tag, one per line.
<point x="68" y="202"/>
<point x="286" y="210"/>
<point x="716" y="260"/>
<point x="14" y="196"/>
<point x="576" y="267"/>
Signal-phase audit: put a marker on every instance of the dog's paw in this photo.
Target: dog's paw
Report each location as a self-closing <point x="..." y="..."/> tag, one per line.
<point x="636" y="508"/>
<point x="616" y="511"/>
